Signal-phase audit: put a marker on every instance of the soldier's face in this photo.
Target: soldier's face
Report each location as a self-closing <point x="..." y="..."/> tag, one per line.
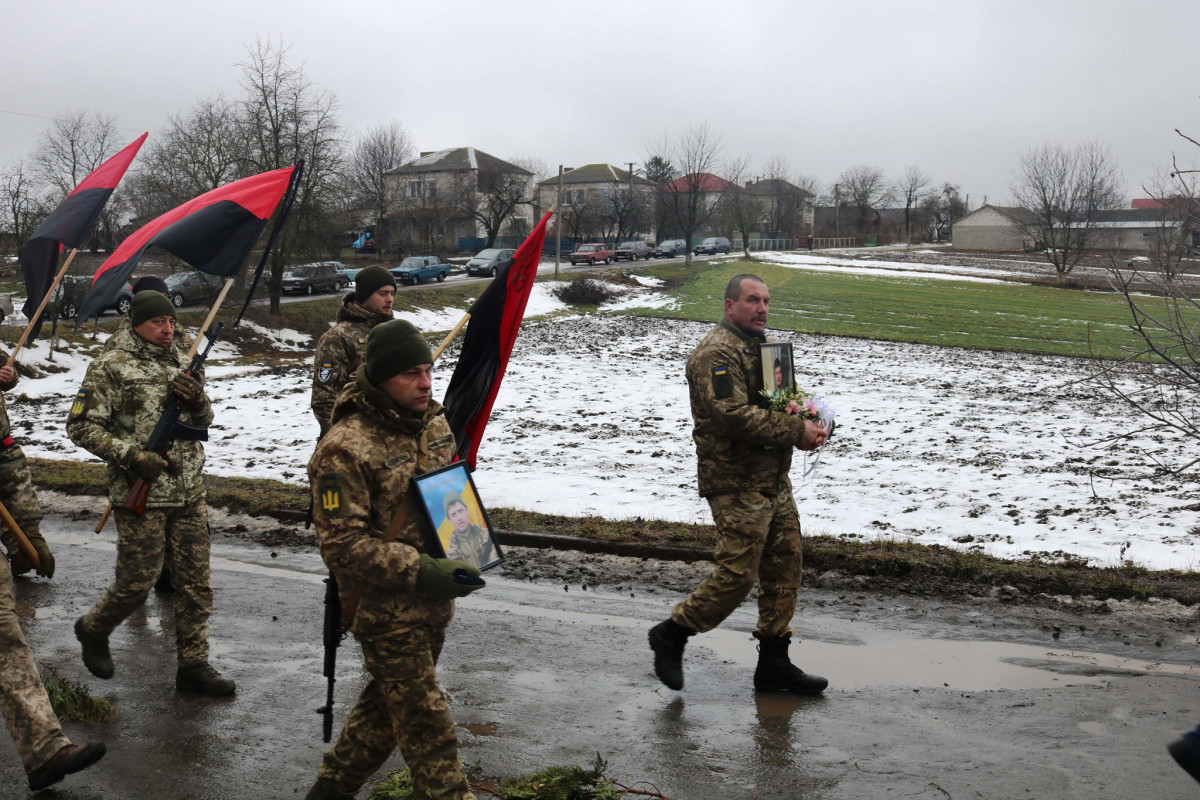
<point x="749" y="312"/>
<point x="460" y="518"/>
<point x="412" y="389"/>
<point x="381" y="301"/>
<point x="157" y="330"/>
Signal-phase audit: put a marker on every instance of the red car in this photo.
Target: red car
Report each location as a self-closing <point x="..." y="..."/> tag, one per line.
<point x="590" y="253"/>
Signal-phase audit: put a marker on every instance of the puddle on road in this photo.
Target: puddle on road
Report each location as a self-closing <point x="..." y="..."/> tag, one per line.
<point x="483" y="728"/>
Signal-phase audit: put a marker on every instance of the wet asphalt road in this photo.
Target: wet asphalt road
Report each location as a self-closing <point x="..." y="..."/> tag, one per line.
<point x="918" y="707"/>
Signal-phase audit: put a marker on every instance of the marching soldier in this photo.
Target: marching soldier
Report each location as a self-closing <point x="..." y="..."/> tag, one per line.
<point x="16" y="491"/>
<point x="744" y="453"/>
<point x="386" y="429"/>
<point x="122" y="398"/>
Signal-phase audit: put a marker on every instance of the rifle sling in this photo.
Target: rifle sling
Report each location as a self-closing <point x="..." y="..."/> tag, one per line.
<point x="354" y="590"/>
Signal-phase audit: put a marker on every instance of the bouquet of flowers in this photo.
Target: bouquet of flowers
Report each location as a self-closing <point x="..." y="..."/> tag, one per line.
<point x="809" y="406"/>
<point x="796" y="401"/>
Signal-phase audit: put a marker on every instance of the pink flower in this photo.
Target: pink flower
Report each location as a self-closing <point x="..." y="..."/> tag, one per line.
<point x="793" y="407"/>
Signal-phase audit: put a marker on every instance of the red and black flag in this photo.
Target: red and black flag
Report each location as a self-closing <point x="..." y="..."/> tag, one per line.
<point x="69" y="226"/>
<point x="213" y="232"/>
<point x="495" y="321"/>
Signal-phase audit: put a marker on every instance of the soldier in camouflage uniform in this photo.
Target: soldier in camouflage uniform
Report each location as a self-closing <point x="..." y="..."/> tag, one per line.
<point x="180" y="343"/>
<point x="16" y="491"/>
<point x="46" y="753"/>
<point x="121" y="400"/>
<point x="744" y="453"/>
<point x="468" y="542"/>
<point x="340" y="349"/>
<point x="387" y="429"/>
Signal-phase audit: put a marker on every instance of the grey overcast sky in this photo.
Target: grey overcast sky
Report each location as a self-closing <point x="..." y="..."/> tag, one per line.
<point x="959" y="89"/>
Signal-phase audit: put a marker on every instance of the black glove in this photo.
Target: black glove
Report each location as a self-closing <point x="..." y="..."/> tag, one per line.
<point x="20" y="563"/>
<point x="189" y="390"/>
<point x="148" y="465"/>
<point x="445" y="578"/>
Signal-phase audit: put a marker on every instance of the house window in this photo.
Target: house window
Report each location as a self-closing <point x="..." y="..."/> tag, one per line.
<point x="579" y="197"/>
<point x="431" y="189"/>
<point x="414" y="189"/>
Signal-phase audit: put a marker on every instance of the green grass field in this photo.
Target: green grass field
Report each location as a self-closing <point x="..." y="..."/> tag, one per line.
<point x="948" y="312"/>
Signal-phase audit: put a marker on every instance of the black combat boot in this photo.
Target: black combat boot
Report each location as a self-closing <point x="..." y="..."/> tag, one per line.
<point x="667" y="640"/>
<point x="326" y="790"/>
<point x="776" y="673"/>
<point x="204" y="679"/>
<point x="69" y="759"/>
<point x="95" y="651"/>
<point x="163" y="585"/>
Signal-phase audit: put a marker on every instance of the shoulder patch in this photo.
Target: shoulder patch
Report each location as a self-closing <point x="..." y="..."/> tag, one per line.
<point x="722" y="381"/>
<point x="80" y="403"/>
<point x="324" y="371"/>
<point x="442" y="441"/>
<point x="329" y="492"/>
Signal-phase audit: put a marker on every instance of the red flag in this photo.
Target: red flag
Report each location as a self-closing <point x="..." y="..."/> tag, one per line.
<point x="492" y="331"/>
<point x="213" y="232"/>
<point x="69" y="225"/>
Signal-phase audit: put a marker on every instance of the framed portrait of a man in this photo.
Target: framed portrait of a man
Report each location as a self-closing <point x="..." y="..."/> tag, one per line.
<point x="777" y="373"/>
<point x="457" y="516"/>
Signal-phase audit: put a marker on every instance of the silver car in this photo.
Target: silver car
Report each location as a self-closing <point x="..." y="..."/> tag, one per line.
<point x="488" y="262"/>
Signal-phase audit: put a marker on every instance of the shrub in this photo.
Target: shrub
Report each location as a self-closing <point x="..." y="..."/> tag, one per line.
<point x="584" y="292"/>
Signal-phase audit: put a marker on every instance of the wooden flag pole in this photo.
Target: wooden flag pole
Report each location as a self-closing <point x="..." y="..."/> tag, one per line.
<point x="212" y="312"/>
<point x="22" y="541"/>
<point x="450" y="336"/>
<point x="45" y="301"/>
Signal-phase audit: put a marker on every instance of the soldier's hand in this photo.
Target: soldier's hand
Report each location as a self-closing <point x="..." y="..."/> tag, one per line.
<point x="189" y="390"/>
<point x="814" y="436"/>
<point x="20" y="563"/>
<point x="446" y="578"/>
<point x="7" y="375"/>
<point x="148" y="465"/>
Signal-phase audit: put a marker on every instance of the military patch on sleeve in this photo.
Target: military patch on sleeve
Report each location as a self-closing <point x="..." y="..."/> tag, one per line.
<point x="442" y="441"/>
<point x="329" y="492"/>
<point x="397" y="460"/>
<point x="80" y="403"/>
<point x="722" y="381"/>
<point x="324" y="371"/>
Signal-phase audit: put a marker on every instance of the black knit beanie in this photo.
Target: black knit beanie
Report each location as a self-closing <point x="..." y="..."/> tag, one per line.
<point x="369" y="281"/>
<point x="149" y="304"/>
<point x="150" y="282"/>
<point x="393" y="347"/>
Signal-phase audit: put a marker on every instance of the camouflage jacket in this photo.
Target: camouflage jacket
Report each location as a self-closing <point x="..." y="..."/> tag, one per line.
<point x="360" y="473"/>
<point x="740" y="446"/>
<point x="5" y="425"/>
<point x="340" y="352"/>
<point x="114" y="413"/>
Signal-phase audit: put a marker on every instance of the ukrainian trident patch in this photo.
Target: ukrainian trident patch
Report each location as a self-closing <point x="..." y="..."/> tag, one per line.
<point x="329" y="494"/>
<point x="324" y="371"/>
<point x="80" y="403"/>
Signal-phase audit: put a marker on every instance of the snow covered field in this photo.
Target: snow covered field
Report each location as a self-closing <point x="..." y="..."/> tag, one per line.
<point x="975" y="449"/>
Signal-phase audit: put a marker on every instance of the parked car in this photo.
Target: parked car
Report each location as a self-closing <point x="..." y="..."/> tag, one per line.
<point x="590" y="254"/>
<point x="670" y="248"/>
<point x="414" y="269"/>
<point x="322" y="276"/>
<point x="72" y="289"/>
<point x="190" y="288"/>
<point x="489" y="262"/>
<point x="712" y="245"/>
<point x="632" y="251"/>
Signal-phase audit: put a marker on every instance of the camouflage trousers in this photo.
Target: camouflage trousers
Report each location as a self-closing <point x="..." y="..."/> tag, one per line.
<point x="140" y="544"/>
<point x="758" y="537"/>
<point x="16" y="492"/>
<point x="401" y="706"/>
<point x="31" y="722"/>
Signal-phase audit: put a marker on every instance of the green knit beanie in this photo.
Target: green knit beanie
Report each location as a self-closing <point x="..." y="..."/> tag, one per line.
<point x="148" y="304"/>
<point x="370" y="280"/>
<point x="393" y="347"/>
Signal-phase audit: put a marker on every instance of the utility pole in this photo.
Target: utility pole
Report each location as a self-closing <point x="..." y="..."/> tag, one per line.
<point x="558" y="223"/>
<point x="631" y="231"/>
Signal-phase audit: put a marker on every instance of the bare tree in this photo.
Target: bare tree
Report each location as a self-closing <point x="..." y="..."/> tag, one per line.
<point x="287" y="118"/>
<point x="865" y="190"/>
<point x="912" y="186"/>
<point x="75" y="144"/>
<point x="1062" y="189"/>
<point x="692" y="198"/>
<point x="1174" y="190"/>
<point x="787" y="202"/>
<point x="491" y="195"/>
<point x="22" y="210"/>
<point x="375" y="153"/>
<point x="744" y="209"/>
<point x="1160" y="378"/>
<point x="196" y="152"/>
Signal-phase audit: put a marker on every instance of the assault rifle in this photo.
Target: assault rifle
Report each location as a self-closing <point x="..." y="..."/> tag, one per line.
<point x="332" y="637"/>
<point x="170" y="428"/>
